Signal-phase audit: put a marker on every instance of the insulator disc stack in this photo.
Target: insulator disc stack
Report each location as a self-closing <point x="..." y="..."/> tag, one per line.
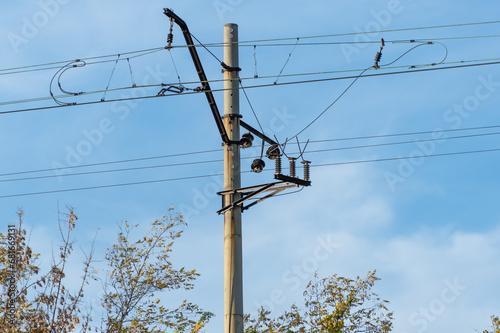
<point x="307" y="170"/>
<point x="278" y="165"/>
<point x="292" y="167"/>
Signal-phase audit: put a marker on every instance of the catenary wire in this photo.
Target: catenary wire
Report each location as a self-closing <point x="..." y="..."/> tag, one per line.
<point x="147" y="51"/>
<point x="359" y="42"/>
<point x="150" y="50"/>
<point x="371" y="32"/>
<point x="48" y="66"/>
<point x="257" y="86"/>
<point x="39" y="99"/>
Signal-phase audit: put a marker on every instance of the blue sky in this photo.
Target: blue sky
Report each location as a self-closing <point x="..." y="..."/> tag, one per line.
<point x="430" y="226"/>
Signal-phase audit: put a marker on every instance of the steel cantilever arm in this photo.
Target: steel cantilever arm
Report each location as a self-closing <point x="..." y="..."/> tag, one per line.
<point x="201" y="73"/>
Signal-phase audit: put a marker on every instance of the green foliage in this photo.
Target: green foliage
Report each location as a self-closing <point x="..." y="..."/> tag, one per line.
<point x="138" y="271"/>
<point x="495" y="324"/>
<point x="43" y="303"/>
<point x="333" y="304"/>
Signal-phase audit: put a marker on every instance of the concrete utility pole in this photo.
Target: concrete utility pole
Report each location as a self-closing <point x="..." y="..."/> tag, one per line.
<point x="233" y="262"/>
<point x="229" y="130"/>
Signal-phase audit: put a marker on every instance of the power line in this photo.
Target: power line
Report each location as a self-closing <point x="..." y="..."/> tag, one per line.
<point x="220" y="150"/>
<point x="406" y="134"/>
<point x="216" y="175"/>
<point x="259" y="86"/>
<point x="112" y="162"/>
<point x="361" y="42"/>
<point x="108" y="186"/>
<point x="310" y="142"/>
<point x="407" y="157"/>
<point x="220" y="160"/>
<point x="402" y="142"/>
<point x="370" y="32"/>
<point x="109" y="171"/>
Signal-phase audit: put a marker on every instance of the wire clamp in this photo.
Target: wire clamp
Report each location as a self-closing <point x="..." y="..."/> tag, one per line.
<point x="175" y="89"/>
<point x="227" y="68"/>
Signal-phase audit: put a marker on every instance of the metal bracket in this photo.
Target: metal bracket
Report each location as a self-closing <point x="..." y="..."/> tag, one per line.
<point x="274" y="188"/>
<point x="288" y="179"/>
<point x="257" y="133"/>
<point x="232" y="116"/>
<point x="229" y="68"/>
<point x="201" y="72"/>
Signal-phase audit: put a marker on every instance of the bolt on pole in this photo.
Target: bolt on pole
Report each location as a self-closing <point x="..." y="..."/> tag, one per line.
<point x="233" y="265"/>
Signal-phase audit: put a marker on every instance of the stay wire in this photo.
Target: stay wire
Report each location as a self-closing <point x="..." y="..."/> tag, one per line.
<point x="255" y="115"/>
<point x="206" y="48"/>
